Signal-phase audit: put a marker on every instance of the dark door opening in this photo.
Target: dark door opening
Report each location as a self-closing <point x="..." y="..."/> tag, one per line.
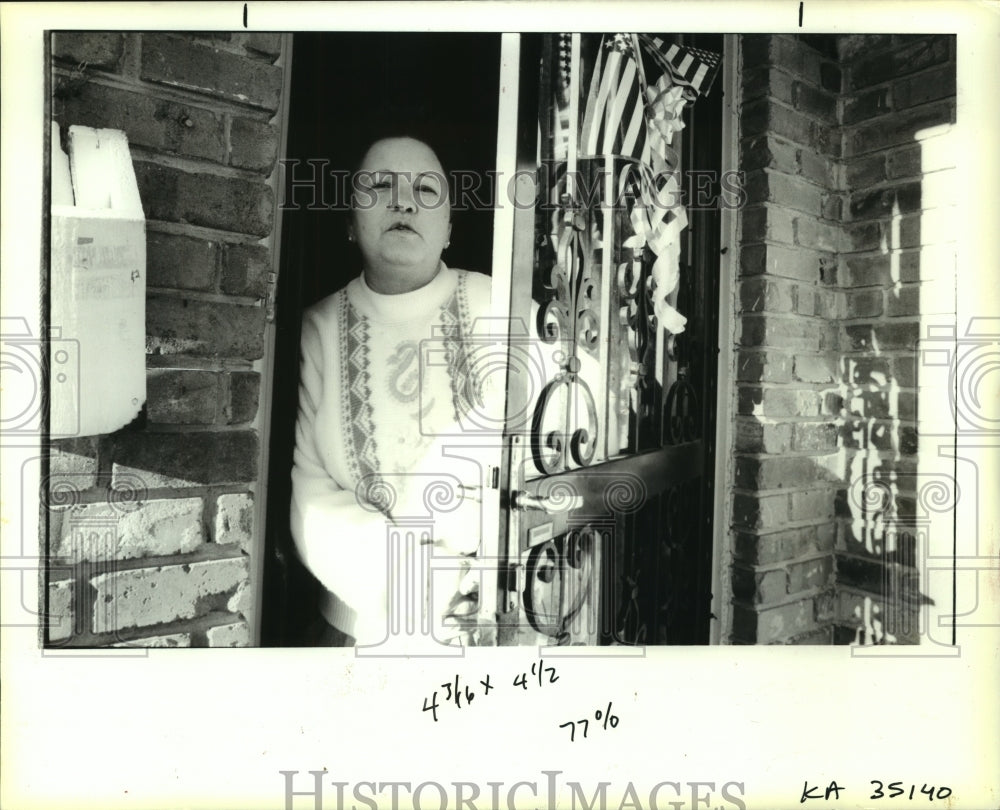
<point x="349" y="88"/>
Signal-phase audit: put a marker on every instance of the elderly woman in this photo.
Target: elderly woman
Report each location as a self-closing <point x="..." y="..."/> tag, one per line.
<point x="373" y="421"/>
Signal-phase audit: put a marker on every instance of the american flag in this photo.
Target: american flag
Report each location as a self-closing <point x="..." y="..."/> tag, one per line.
<point x="615" y="111"/>
<point x="688" y="67"/>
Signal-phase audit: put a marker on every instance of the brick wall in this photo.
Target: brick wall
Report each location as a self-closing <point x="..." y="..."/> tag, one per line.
<point x="845" y="223"/>
<point x="897" y="270"/>
<point x="152" y="538"/>
<point x="786" y="428"/>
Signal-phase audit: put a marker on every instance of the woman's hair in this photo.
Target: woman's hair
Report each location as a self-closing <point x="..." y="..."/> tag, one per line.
<point x="387" y="133"/>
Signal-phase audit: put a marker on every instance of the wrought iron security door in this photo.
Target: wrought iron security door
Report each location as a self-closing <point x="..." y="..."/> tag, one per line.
<point x="608" y="459"/>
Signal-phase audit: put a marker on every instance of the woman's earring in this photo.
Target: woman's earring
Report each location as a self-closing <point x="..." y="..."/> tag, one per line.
<point x="350" y="237"/>
<point x="446" y="244"/>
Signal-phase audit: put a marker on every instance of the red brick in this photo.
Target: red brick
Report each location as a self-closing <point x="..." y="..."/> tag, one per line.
<point x="759" y="586"/>
<point x="929" y="86"/>
<point x="906" y="405"/>
<point x="854" y="46"/>
<point x="813" y="437"/>
<point x="759" y="511"/>
<point x="154" y="123"/>
<point x="882" y="134"/>
<point x="225" y="203"/>
<point x="778" y="472"/>
<point x="805" y="299"/>
<point x="180" y="262"/>
<point x="764" y="294"/>
<point x="804" y="576"/>
<point x="768" y="223"/>
<point x="767" y="81"/>
<point x="903" y="301"/>
<point x="783" y="51"/>
<point x="780" y="623"/>
<point x="861" y="236"/>
<point x="801" y="264"/>
<point x="815" y="234"/>
<point x="815" y="368"/>
<point x="866" y="171"/>
<point x="782" y="546"/>
<point x="811" y="505"/>
<point x="253" y="145"/>
<point x="897" y="336"/>
<point x="789" y="332"/>
<point x="904" y="162"/>
<point x="824" y="44"/>
<point x="178" y="62"/>
<point x="177" y="326"/>
<point x="931" y="227"/>
<point x="92" y="50"/>
<point x="896" y="616"/>
<point x="784" y="190"/>
<point x="807" y="99"/>
<point x="818" y="168"/>
<point x="207" y="457"/>
<point x="905" y="370"/>
<point x="869" y="104"/>
<point x="268" y="45"/>
<point x="764" y="151"/>
<point x="763" y="367"/>
<point x="777" y="402"/>
<point x="830" y="77"/>
<point x="245" y="269"/>
<point x="864" y="304"/>
<point x="820" y="636"/>
<point x="877" y="270"/>
<point x="182" y="397"/>
<point x="901" y="199"/>
<point x="753" y="436"/>
<point x="915" y="54"/>
<point x="794" y="126"/>
<point x="244" y="393"/>
<point x="833" y="206"/>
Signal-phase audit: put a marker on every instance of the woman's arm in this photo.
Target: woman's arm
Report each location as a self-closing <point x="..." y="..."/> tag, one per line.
<point x="343" y="543"/>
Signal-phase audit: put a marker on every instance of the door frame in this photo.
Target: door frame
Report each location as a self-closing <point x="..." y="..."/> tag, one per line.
<point x="721" y="628"/>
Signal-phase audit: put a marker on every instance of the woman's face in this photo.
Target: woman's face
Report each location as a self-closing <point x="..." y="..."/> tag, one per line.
<point x="401" y="215"/>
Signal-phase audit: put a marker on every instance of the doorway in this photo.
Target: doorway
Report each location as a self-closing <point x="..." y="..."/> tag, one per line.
<point x="347" y="89"/>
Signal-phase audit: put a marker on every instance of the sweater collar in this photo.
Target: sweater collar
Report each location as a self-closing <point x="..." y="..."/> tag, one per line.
<point x="404" y="306"/>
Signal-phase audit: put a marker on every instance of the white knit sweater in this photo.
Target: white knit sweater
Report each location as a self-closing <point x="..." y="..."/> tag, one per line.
<point x="372" y="418"/>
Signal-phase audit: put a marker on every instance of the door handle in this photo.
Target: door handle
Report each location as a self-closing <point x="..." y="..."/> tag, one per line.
<point x="550" y="504"/>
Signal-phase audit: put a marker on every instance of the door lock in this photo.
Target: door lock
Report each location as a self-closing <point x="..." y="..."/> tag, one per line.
<point x="551" y="504"/>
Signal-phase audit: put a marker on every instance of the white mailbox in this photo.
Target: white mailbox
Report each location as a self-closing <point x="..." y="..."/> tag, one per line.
<point x="98" y="285"/>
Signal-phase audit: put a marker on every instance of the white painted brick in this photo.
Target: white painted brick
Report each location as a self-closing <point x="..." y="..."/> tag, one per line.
<point x="147" y="596"/>
<point x="234" y="520"/>
<point x="154" y="528"/>
<point x="229" y="635"/>
<point x="239" y="602"/>
<point x="60" y="610"/>
<point x="69" y="472"/>
<point x="169" y="640"/>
